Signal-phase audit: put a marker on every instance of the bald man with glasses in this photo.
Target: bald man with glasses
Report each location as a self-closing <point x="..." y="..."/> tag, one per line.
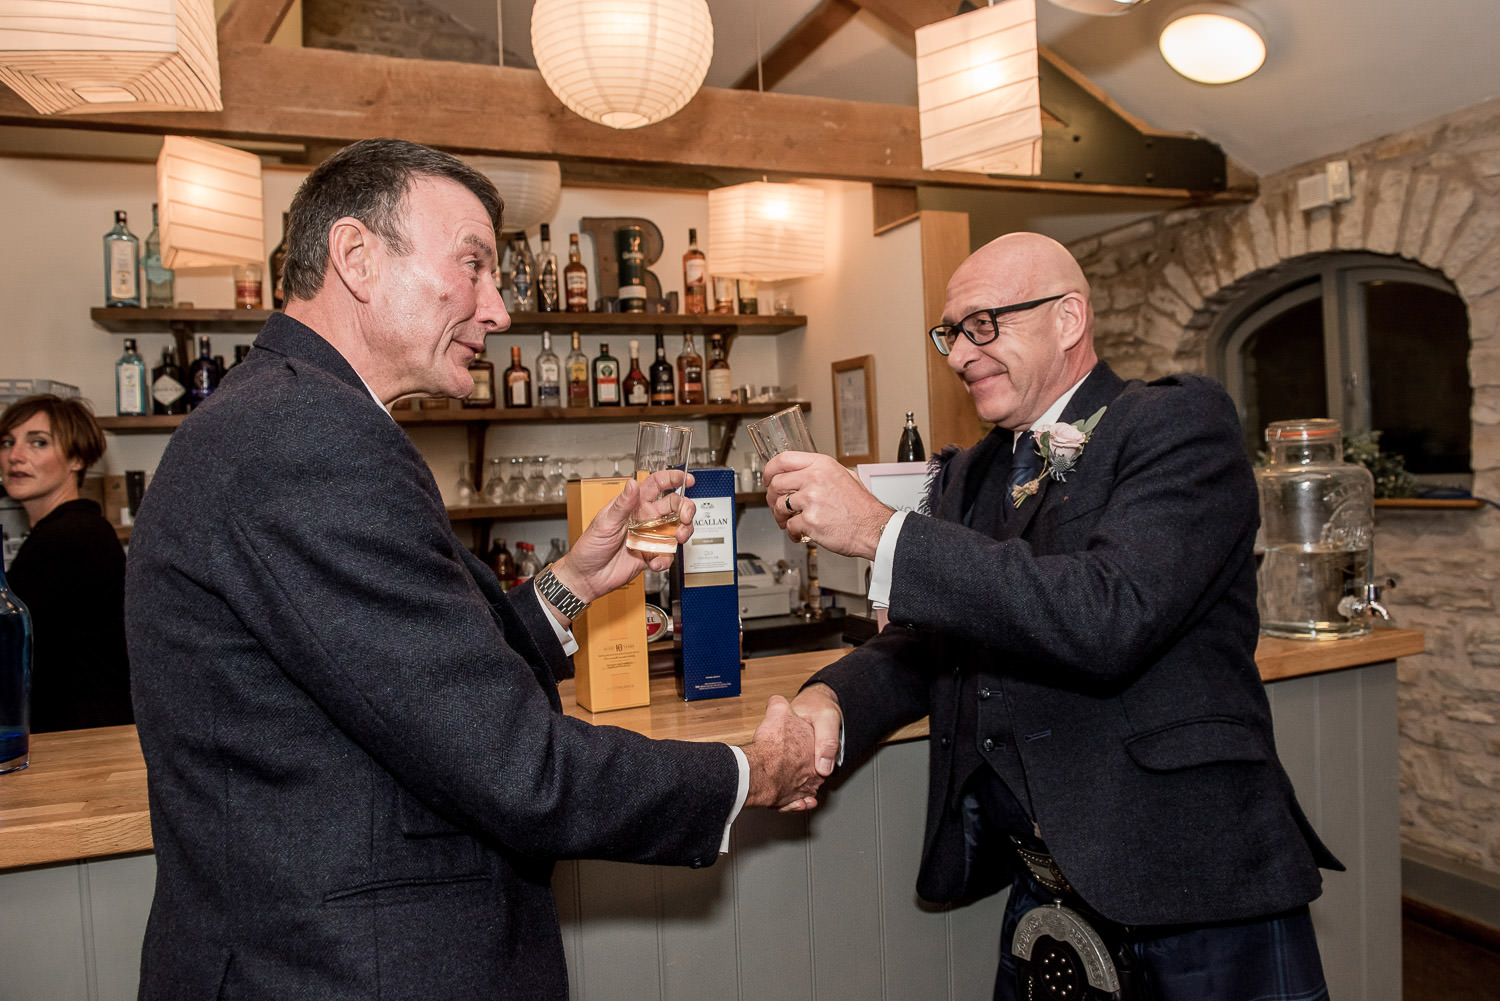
<point x="1075" y="610"/>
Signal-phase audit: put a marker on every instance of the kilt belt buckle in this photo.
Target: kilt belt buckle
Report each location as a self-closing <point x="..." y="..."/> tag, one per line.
<point x="1059" y="954"/>
<point x="1043" y="868"/>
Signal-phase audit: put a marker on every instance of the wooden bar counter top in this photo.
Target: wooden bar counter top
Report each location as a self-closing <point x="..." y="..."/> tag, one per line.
<point x="84" y="794"/>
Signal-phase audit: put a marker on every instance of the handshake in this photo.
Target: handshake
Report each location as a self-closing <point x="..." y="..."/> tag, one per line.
<point x="794" y="749"/>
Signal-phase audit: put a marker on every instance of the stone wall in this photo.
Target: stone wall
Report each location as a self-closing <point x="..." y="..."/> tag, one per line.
<point x="1432" y="195"/>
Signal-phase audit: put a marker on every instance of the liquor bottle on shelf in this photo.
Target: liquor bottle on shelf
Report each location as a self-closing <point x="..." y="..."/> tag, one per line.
<point x="130" y="383"/>
<point x="241" y="351"/>
<point x="575" y="279"/>
<point x="169" y="393"/>
<point x="694" y="277"/>
<point x="15" y="680"/>
<point x="548" y="374"/>
<point x="558" y="551"/>
<point x="122" y="265"/>
<point x="749" y="301"/>
<point x="578" y="375"/>
<point x="606" y="378"/>
<point x="203" y="374"/>
<point x="548" y="288"/>
<point x="637" y="389"/>
<point x="523" y="275"/>
<point x="663" y="390"/>
<point x="504" y="564"/>
<point x="517" y="380"/>
<point x="160" y="282"/>
<point x="527" y="566"/>
<point x="719" y="381"/>
<point x="630" y="249"/>
<point x="278" y="266"/>
<point x="689" y="373"/>
<point x="483" y="371"/>
<point x="910" y="449"/>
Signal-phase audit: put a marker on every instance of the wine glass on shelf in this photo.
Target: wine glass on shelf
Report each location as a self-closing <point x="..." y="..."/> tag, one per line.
<point x="494" y="484"/>
<point x="536" y="480"/>
<point x="515" y="484"/>
<point x="464" y="492"/>
<point x="557" y="481"/>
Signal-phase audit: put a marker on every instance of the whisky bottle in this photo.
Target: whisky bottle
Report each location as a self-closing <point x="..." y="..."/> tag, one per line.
<point x="203" y="374"/>
<point x="169" y="385"/>
<point x="122" y="265"/>
<point x="606" y="378"/>
<point x="130" y="383"/>
<point x="663" y="390"/>
<point x="523" y="276"/>
<point x="548" y="374"/>
<point x="278" y="266"/>
<point x="689" y="373"/>
<point x="517" y="380"/>
<point x="575" y="279"/>
<point x="578" y="376"/>
<point x="910" y="449"/>
<point x="637" y="389"/>
<point x="483" y="372"/>
<point x="547" y="288"/>
<point x="694" y="277"/>
<point x="719" y="382"/>
<point x="160" y="282"/>
<point x="630" y="248"/>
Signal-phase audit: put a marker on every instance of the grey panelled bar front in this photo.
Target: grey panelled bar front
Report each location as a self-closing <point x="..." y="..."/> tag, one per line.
<point x="817" y="907"/>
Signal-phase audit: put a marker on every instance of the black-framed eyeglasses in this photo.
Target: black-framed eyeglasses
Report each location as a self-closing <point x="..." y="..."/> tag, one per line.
<point x="982" y="325"/>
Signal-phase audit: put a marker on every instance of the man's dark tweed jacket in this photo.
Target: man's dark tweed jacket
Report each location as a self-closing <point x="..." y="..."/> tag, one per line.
<point x="359" y="770"/>
<point x="1116" y="616"/>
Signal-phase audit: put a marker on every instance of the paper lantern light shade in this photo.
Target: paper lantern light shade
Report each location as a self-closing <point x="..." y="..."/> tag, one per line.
<point x="622" y="63"/>
<point x="531" y="188"/>
<point x="766" y="231"/>
<point x="111" y="55"/>
<point x="210" y="207"/>
<point x="978" y="96"/>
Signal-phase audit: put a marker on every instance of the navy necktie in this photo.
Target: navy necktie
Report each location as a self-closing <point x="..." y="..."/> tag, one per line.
<point x="1024" y="466"/>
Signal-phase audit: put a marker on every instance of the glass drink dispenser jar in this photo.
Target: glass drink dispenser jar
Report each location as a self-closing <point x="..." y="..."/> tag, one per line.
<point x="1316" y="540"/>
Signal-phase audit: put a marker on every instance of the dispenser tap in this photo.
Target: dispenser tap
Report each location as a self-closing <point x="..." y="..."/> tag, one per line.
<point x="1356" y="606"/>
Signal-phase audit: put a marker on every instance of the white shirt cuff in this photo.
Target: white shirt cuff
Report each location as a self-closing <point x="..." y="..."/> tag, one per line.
<point x="739" y="796"/>
<point x="564" y="636"/>
<point x="885" y="559"/>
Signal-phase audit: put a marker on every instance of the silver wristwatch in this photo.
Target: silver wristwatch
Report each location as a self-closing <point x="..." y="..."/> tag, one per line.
<point x="556" y="592"/>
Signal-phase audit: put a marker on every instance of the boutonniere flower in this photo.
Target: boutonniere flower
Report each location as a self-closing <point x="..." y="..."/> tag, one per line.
<point x="1060" y="446"/>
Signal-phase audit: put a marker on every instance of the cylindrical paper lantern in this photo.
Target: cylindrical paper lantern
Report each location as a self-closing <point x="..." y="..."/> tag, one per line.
<point x="765" y="231"/>
<point x="210" y="206"/>
<point x="623" y="63"/>
<point x="978" y="96"/>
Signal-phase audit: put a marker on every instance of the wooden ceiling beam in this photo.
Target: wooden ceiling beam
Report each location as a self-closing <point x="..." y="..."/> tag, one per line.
<point x="796" y="45"/>
<point x="312" y="95"/>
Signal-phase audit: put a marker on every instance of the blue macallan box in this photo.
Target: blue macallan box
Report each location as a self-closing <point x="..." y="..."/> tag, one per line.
<point x="710" y="591"/>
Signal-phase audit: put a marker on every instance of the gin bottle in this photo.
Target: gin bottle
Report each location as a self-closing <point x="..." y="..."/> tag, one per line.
<point x="122" y="265"/>
<point x="130" y="383"/>
<point x="160" y="282"/>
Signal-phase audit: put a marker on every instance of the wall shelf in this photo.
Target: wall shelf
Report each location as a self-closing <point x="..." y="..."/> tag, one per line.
<point x="520" y="415"/>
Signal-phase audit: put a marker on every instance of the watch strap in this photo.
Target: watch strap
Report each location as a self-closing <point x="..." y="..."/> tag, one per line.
<point x="558" y="594"/>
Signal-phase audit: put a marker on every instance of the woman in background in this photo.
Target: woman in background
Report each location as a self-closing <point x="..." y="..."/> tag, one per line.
<point x="70" y="570"/>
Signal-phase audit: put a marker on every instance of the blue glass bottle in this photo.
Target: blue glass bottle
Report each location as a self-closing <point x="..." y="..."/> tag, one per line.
<point x="15" y="681"/>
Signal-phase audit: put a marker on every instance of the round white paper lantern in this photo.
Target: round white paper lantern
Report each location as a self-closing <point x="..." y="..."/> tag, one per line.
<point x="623" y="63"/>
<point x="531" y="188"/>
